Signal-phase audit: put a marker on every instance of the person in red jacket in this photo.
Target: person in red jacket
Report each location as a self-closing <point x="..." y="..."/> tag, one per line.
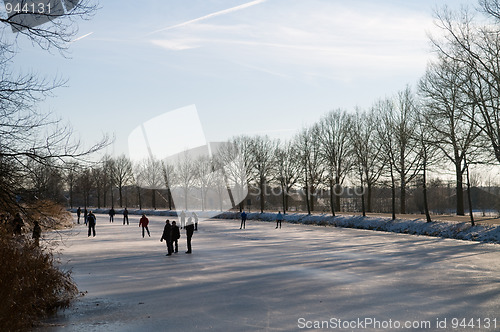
<point x="144" y="223"/>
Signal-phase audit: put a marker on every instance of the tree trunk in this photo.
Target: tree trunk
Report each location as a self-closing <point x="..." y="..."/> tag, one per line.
<point x="393" y="194"/>
<point x="169" y="197"/>
<point x="337" y="196"/>
<point x="332" y="196"/>
<point x="311" y="195"/>
<point x="262" y="198"/>
<point x="369" y="197"/>
<point x="424" y="189"/>
<point x="469" y="194"/>
<point x="402" y="203"/>
<point x="363" y="208"/>
<point x="121" y="197"/>
<point x="460" y="189"/>
<point x="283" y="199"/>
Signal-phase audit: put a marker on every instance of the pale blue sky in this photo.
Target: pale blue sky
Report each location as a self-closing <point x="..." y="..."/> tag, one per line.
<point x="250" y="67"/>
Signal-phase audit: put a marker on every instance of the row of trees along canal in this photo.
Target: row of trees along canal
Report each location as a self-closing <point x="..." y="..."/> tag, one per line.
<point x="375" y="159"/>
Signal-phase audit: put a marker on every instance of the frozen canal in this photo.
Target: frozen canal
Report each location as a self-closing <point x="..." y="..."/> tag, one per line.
<point x="267" y="279"/>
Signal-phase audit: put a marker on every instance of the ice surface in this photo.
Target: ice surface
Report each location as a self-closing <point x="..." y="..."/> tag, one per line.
<point x="267" y="279"/>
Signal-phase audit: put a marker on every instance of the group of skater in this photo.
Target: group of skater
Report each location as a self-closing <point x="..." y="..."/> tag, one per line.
<point x="243" y="216"/>
<point x="111" y="214"/>
<point x="171" y="231"/>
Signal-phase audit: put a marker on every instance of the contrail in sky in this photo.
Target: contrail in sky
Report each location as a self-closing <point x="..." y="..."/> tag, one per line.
<point x="222" y="12"/>
<point x="88" y="34"/>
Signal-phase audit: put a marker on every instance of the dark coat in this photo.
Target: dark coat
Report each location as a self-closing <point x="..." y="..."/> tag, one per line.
<point x="189" y="230"/>
<point x="91" y="219"/>
<point x="176" y="233"/>
<point x="167" y="233"/>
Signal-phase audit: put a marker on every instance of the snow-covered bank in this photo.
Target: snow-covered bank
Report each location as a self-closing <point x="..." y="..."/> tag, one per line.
<point x="445" y="229"/>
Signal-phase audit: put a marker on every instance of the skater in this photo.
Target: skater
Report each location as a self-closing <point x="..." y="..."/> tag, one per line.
<point x="195" y="217"/>
<point x="144" y="223"/>
<point x="189" y="234"/>
<point x="176" y="234"/>
<point x="125" y="216"/>
<point x="91" y="221"/>
<point x="78" y="213"/>
<point x="167" y="236"/>
<point x="183" y="219"/>
<point x="243" y="219"/>
<point x="112" y="215"/>
<point x="17" y="224"/>
<point x="85" y="214"/>
<point x="37" y="233"/>
<point x="279" y="219"/>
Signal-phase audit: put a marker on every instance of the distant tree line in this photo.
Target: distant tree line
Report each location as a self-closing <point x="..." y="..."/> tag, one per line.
<point x="368" y="160"/>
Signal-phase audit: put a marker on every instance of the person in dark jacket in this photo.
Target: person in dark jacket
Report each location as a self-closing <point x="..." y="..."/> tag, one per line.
<point x="189" y="234"/>
<point x="112" y="215"/>
<point x="176" y="234"/>
<point x="144" y="222"/>
<point x="37" y="233"/>
<point x="85" y="214"/>
<point x="125" y="216"/>
<point x="91" y="221"/>
<point x="279" y="219"/>
<point x="243" y="219"/>
<point x="78" y="213"/>
<point x="167" y="236"/>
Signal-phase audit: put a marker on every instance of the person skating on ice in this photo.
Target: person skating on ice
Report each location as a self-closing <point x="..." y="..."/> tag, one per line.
<point x="144" y="222"/>
<point x="91" y="221"/>
<point x="189" y="234"/>
<point x="243" y="219"/>
<point x="279" y="219"/>
<point x="78" y="213"/>
<point x="125" y="216"/>
<point x="167" y="236"/>
<point x="176" y="234"/>
<point x="112" y="213"/>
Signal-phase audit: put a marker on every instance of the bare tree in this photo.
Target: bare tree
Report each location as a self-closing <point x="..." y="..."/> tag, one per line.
<point x="491" y="7"/>
<point x="204" y="176"/>
<point x="85" y="184"/>
<point x="385" y="109"/>
<point x="150" y="176"/>
<point x="406" y="161"/>
<point x="308" y="144"/>
<point x="449" y="116"/>
<point x="234" y="161"/>
<point x="287" y="169"/>
<point x="29" y="137"/>
<point x="474" y="46"/>
<point x="168" y="172"/>
<point x="122" y="173"/>
<point x="185" y="171"/>
<point x="367" y="150"/>
<point x="336" y="147"/>
<point x="262" y="149"/>
<point x="70" y="177"/>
